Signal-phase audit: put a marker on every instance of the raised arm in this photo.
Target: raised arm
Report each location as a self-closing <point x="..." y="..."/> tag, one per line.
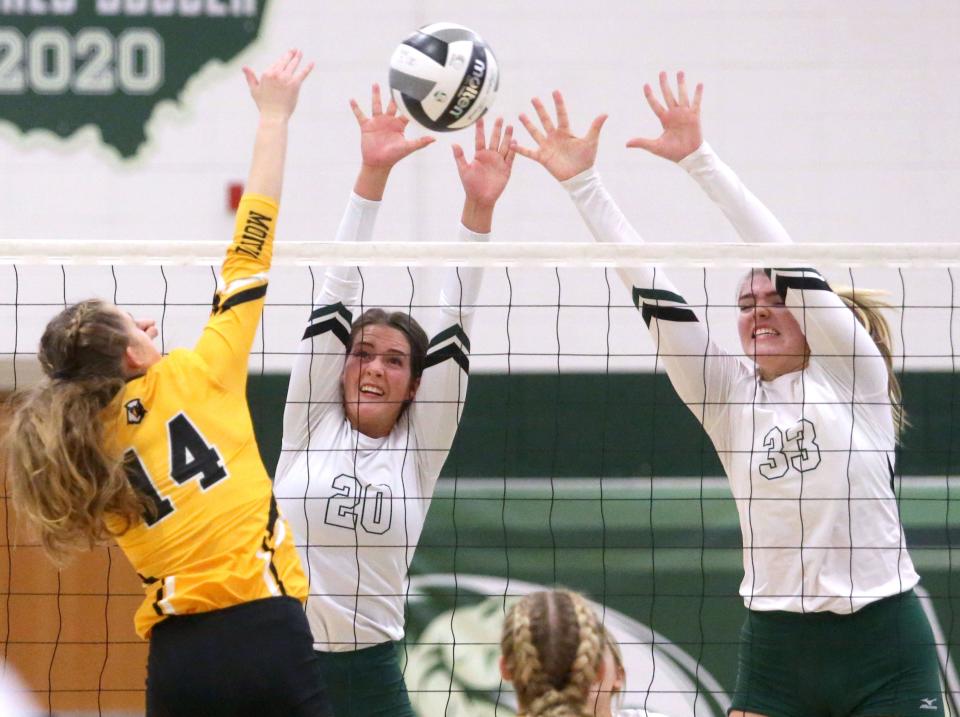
<point x="315" y="379"/>
<point x="837" y="340"/>
<point x="226" y="340"/>
<point x="700" y="372"/>
<point x="681" y="141"/>
<point x="834" y="336"/>
<point x="435" y="413"/>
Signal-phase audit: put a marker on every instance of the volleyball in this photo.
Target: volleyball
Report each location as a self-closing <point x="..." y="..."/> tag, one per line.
<point x="444" y="76"/>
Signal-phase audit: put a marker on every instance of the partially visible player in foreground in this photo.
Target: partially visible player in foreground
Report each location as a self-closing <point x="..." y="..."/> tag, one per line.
<point x="159" y="453"/>
<point x="372" y="410"/>
<point x="560" y="659"/>
<point x="806" y="431"/>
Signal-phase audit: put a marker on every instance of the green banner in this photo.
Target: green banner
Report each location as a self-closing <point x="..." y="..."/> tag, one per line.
<point x="66" y="64"/>
<point x="574" y="425"/>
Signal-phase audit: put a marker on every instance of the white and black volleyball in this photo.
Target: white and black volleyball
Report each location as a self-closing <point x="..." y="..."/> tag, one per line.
<point x="444" y="76"/>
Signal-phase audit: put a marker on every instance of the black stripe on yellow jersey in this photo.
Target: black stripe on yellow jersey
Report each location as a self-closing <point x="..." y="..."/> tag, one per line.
<point x="215" y="538"/>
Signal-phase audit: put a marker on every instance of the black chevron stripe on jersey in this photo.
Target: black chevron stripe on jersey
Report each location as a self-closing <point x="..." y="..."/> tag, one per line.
<point x="449" y="344"/>
<point x="334" y="317"/>
<point x="241" y="297"/>
<point x="456" y="331"/>
<point x="655" y="295"/>
<point x="658" y="311"/>
<point x="328" y="309"/>
<point x="450" y="351"/>
<point x="666" y="313"/>
<point x="805" y="280"/>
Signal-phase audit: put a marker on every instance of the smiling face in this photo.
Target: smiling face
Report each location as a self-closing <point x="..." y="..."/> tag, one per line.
<point x="377" y="379"/>
<point x="769" y="333"/>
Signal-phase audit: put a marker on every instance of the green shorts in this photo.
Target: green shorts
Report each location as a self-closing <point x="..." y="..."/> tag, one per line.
<point x="366" y="683"/>
<point x="879" y="661"/>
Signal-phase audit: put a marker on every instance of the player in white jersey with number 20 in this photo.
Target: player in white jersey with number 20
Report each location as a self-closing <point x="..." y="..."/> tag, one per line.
<point x="372" y="410"/>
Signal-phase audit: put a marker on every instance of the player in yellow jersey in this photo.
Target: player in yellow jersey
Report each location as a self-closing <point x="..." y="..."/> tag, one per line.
<point x="159" y="453"/>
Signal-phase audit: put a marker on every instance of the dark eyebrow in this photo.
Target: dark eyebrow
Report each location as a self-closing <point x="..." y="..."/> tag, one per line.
<point x="369" y="345"/>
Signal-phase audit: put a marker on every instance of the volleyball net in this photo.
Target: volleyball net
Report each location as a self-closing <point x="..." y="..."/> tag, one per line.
<point x="575" y="463"/>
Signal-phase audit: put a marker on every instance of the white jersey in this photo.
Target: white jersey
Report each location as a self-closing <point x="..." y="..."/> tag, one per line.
<point x="810" y="454"/>
<point x="357" y="504"/>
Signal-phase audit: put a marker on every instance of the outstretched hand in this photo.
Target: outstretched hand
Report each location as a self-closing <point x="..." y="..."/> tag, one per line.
<point x="485" y="178"/>
<point x="561" y="153"/>
<point x="382" y="143"/>
<point x="277" y="89"/>
<point x="680" y="119"/>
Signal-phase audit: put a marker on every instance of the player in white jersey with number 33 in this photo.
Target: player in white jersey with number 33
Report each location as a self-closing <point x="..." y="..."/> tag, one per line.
<point x="372" y="410"/>
<point x="805" y="424"/>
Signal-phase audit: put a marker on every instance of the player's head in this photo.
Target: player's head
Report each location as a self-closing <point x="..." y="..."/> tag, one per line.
<point x="607" y="692"/>
<point x="774" y="339"/>
<point x="63" y="478"/>
<point x="94" y="339"/>
<point x="769" y="333"/>
<point x="381" y="374"/>
<point x="552" y="651"/>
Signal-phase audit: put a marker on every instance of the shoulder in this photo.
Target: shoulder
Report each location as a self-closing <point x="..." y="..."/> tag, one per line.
<point x="178" y="359"/>
<point x="179" y="366"/>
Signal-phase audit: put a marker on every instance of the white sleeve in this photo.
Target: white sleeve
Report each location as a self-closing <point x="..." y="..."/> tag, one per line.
<point x="749" y="216"/>
<point x="314" y="385"/>
<point x="701" y="373"/>
<point x="837" y="340"/>
<point x="436" y="410"/>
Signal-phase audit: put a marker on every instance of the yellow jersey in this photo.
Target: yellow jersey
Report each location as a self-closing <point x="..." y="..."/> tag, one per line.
<point x="214" y="537"/>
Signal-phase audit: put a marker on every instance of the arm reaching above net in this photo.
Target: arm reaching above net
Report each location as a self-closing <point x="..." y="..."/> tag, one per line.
<point x="225" y="342"/>
<point x="833" y="335"/>
<point x="700" y="372"/>
<point x="314" y="386"/>
<point x="436" y="411"/>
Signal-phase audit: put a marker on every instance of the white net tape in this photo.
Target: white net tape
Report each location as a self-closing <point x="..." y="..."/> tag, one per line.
<point x="493" y="254"/>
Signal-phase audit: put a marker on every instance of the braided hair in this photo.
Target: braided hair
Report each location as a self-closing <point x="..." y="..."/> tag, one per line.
<point x="552" y="646"/>
<point x="63" y="478"/>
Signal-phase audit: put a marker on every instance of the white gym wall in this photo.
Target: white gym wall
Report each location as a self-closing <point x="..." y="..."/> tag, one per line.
<point x="842" y="116"/>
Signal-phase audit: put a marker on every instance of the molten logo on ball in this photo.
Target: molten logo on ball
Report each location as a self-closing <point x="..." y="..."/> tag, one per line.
<point x="471" y="88"/>
<point x="444" y="76"/>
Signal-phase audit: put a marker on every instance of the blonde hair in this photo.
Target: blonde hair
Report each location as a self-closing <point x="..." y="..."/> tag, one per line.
<point x="63" y="479"/>
<point x="552" y="644"/>
<point x="610" y="643"/>
<point x="867" y="306"/>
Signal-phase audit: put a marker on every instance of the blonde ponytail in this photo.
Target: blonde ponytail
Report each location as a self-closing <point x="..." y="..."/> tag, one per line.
<point x="62" y="477"/>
